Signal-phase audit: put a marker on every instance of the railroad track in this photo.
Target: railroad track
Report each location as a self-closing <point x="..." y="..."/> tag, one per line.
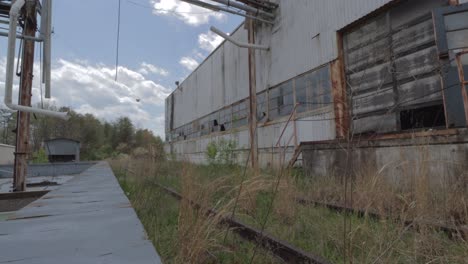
<point x="452" y="231"/>
<point x="281" y="249"/>
<point x="292" y="254"/>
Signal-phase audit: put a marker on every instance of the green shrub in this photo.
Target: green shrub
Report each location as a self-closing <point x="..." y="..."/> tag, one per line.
<point x="222" y="152"/>
<point x="40" y="156"/>
<point x="212" y="152"/>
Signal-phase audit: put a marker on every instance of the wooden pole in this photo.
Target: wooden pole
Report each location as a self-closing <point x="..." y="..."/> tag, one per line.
<point x="252" y="96"/>
<point x="22" y="131"/>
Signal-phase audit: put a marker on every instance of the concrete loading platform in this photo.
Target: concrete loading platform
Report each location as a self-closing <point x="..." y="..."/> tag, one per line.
<point x="88" y="219"/>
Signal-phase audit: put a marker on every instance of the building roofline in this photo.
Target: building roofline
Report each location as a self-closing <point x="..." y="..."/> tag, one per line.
<point x="62" y="138"/>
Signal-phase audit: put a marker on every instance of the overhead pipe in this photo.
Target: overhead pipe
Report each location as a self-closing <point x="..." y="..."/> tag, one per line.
<point x="244" y="7"/>
<point x="4" y="34"/>
<point x="237" y="43"/>
<point x="14" y="15"/>
<point x="227" y="10"/>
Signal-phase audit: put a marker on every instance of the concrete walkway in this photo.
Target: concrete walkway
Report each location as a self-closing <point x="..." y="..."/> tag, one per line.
<point x="86" y="220"/>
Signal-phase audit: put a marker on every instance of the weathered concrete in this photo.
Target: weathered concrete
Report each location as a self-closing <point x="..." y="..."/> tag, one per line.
<point x="440" y="157"/>
<point x="86" y="220"/>
<point x="49" y="169"/>
<point x="6" y="184"/>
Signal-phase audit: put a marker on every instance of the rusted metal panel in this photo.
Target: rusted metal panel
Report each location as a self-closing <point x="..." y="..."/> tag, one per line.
<point x="340" y="99"/>
<point x="392" y="64"/>
<point x="451" y="34"/>
<point x="382" y="123"/>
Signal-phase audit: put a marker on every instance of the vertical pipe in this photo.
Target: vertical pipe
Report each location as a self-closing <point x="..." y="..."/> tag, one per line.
<point x="10" y="65"/>
<point x="252" y="96"/>
<point x="48" y="49"/>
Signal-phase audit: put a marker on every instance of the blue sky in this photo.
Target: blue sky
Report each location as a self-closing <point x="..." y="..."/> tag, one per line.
<point x="161" y="41"/>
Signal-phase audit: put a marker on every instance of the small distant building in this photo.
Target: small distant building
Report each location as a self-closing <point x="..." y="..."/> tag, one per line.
<point x="62" y="150"/>
<point x="7" y="154"/>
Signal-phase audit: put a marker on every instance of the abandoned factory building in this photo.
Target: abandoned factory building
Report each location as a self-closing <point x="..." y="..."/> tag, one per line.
<point x="380" y="73"/>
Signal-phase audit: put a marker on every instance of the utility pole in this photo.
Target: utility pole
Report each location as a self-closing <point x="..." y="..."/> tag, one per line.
<point x="22" y="125"/>
<point x="252" y="96"/>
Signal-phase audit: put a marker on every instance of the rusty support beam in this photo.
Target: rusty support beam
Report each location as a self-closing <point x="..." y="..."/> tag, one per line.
<point x="461" y="74"/>
<point x="252" y="96"/>
<point x="339" y="92"/>
<point x="22" y="127"/>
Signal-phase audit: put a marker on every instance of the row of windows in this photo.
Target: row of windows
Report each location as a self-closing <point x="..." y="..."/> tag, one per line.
<point x="311" y="90"/>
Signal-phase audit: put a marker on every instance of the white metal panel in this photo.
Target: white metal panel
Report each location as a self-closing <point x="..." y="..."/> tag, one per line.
<point x="7" y="155"/>
<point x="220" y="80"/>
<point x="319" y="127"/>
<point x="304" y="35"/>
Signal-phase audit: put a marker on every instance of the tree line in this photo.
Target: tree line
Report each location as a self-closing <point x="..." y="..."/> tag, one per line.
<point x="99" y="139"/>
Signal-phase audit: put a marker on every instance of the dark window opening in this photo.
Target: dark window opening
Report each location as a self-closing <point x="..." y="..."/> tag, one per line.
<point x="61" y="158"/>
<point x="223" y="128"/>
<point x="425" y="117"/>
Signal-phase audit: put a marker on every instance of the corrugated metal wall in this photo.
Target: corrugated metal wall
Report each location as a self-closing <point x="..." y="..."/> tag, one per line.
<point x="303" y="38"/>
<point x="220" y="80"/>
<point x="392" y="66"/>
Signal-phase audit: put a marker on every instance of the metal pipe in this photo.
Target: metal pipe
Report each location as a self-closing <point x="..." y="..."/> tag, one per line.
<point x="4" y="34"/>
<point x="227" y="10"/>
<point x="237" y="43"/>
<point x="244" y="7"/>
<point x="14" y="14"/>
<point x="47" y="49"/>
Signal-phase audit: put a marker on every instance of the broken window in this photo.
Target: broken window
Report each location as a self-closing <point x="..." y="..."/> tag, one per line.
<point x="424" y="117"/>
<point x="225" y="118"/>
<point x="213" y="122"/>
<point x="392" y="70"/>
<point x="313" y="90"/>
<point x="281" y="100"/>
<point x="262" y="106"/>
<point x="240" y="114"/>
<point x="205" y="126"/>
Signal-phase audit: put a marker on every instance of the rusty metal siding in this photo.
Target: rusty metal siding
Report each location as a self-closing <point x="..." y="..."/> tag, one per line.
<point x="392" y="64"/>
<point x="299" y="42"/>
<point x="304" y="36"/>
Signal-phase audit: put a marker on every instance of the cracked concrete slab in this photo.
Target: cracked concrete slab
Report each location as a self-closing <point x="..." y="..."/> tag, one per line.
<point x="88" y="219"/>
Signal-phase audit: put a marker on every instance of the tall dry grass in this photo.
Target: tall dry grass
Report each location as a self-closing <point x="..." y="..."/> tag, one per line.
<point x="200" y="238"/>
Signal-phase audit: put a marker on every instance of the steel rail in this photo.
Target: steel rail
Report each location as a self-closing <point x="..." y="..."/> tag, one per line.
<point x="280" y="248"/>
<point x="452" y="231"/>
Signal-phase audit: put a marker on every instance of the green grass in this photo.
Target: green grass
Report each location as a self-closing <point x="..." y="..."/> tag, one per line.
<point x="159" y="214"/>
<point x="317" y="230"/>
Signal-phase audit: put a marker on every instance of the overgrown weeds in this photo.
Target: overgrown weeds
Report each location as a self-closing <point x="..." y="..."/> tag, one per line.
<point x="186" y="234"/>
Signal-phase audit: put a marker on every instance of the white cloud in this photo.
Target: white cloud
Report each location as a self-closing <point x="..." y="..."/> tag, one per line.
<point x="190" y="14"/>
<point x="209" y="41"/>
<point x="91" y="88"/>
<point x="189" y="63"/>
<point x="147" y="68"/>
